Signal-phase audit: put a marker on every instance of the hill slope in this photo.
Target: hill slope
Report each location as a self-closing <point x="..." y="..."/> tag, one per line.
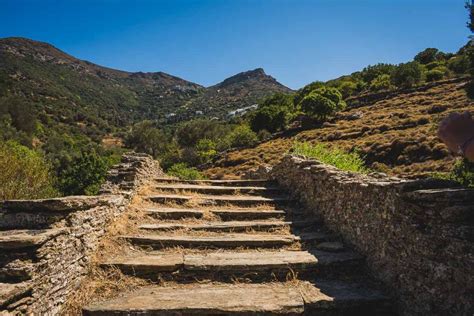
<point x="84" y="97"/>
<point x="396" y="134"/>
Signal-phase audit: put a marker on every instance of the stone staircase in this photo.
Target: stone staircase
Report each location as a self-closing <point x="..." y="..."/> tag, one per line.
<point x="235" y="247"/>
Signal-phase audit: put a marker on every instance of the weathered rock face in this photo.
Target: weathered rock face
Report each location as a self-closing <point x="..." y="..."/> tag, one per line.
<point x="46" y="245"/>
<point x="417" y="235"/>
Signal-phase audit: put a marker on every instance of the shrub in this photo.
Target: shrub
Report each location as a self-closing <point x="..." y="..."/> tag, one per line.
<point x="303" y="92"/>
<point x="146" y="138"/>
<point x="189" y="133"/>
<point x="242" y="136"/>
<point x="463" y="172"/>
<point x="347" y="88"/>
<point x="382" y="82"/>
<point x="429" y="55"/>
<point x="434" y="75"/>
<point x="407" y="75"/>
<point x="332" y="156"/>
<point x="206" y="150"/>
<point x="322" y="103"/>
<point x="371" y="72"/>
<point x="264" y="135"/>
<point x="272" y="118"/>
<point x="182" y="171"/>
<point x="84" y="175"/>
<point x="459" y="64"/>
<point x="24" y="173"/>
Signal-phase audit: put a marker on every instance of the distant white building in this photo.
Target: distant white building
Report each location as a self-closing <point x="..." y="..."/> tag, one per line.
<point x="199" y="113"/>
<point x="169" y="115"/>
<point x="242" y="111"/>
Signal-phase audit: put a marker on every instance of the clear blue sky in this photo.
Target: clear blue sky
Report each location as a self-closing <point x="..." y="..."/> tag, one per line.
<point x="296" y="41"/>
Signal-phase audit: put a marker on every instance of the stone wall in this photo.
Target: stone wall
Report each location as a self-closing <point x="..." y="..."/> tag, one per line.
<point x="47" y="245"/>
<point x="417" y="236"/>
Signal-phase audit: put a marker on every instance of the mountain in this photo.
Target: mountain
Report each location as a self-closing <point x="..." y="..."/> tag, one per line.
<point x="80" y="96"/>
<point x="238" y="91"/>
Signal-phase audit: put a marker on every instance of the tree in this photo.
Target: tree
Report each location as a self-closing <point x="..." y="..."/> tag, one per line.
<point x="322" y="103"/>
<point x="273" y="113"/>
<point x="24" y="173"/>
<point x="242" y="136"/>
<point x="84" y="175"/>
<point x="407" y="75"/>
<point x="382" y="82"/>
<point x="189" y="133"/>
<point x="429" y="55"/>
<point x="303" y="92"/>
<point x="145" y="137"/>
<point x="371" y="72"/>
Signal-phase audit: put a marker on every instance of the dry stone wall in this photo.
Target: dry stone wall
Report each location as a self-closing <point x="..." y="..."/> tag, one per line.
<point x="46" y="246"/>
<point x="417" y="236"/>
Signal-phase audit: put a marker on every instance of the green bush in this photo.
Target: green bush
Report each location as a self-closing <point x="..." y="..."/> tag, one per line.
<point x="84" y="175"/>
<point x="434" y="75"/>
<point x="206" y="150"/>
<point x="182" y="171"/>
<point x="371" y="72"/>
<point x="322" y="103"/>
<point x="429" y="55"/>
<point x="407" y="75"/>
<point x="303" y="92"/>
<point x="273" y="113"/>
<point x="382" y="82"/>
<point x="459" y="64"/>
<point x="242" y="136"/>
<point x="146" y="138"/>
<point x="331" y="156"/>
<point x="463" y="172"/>
<point x="189" y="133"/>
<point x="24" y="173"/>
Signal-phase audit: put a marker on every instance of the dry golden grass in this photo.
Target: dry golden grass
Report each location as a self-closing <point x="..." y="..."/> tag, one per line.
<point x="396" y="135"/>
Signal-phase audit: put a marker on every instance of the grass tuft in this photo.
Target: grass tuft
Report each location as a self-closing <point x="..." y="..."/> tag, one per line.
<point x="331" y="156"/>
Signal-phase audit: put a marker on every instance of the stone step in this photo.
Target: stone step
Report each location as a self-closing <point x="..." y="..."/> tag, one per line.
<point x="218" y="226"/>
<point x="223" y="241"/>
<point x="218" y="200"/>
<point x="324" y="298"/>
<point x="220" y="265"/>
<point x="224" y="214"/>
<point x="173" y="213"/>
<point x="217" y="190"/>
<point x="247" y="214"/>
<point x="26" y="238"/>
<point x="11" y="292"/>
<point x="258" y="182"/>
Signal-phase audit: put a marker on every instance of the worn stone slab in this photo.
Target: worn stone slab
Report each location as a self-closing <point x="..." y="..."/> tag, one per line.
<point x="10" y="292"/>
<point x="174" y="213"/>
<point x="205" y="299"/>
<point x="243" y="214"/>
<point x="237" y="182"/>
<point x="249" y="261"/>
<point x="18" y="239"/>
<point x="224" y="241"/>
<point x="218" y="200"/>
<point x="219" y="226"/>
<point x="63" y="204"/>
<point x="152" y="263"/>
<point x="213" y="189"/>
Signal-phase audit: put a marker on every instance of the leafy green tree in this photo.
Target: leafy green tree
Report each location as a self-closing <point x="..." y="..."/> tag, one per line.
<point x="382" y="82"/>
<point x="303" y="92"/>
<point x="242" y="136"/>
<point x="347" y="88"/>
<point x="182" y="171"/>
<point x="206" y="150"/>
<point x="429" y="55"/>
<point x="371" y="72"/>
<point x="189" y="133"/>
<point x="322" y="103"/>
<point x="84" y="175"/>
<point x="434" y="75"/>
<point x="273" y="113"/>
<point x="458" y="64"/>
<point x="24" y="173"/>
<point x="146" y="138"/>
<point x="407" y="75"/>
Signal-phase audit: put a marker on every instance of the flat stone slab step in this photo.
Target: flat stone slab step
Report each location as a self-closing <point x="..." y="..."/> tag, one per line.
<point x="248" y="214"/>
<point x="224" y="241"/>
<point x="174" y="213"/>
<point x="231" y="262"/>
<point x="324" y="298"/>
<point x="214" y="189"/>
<point x="26" y="238"/>
<point x="257" y="182"/>
<point x="218" y="200"/>
<point x="229" y="214"/>
<point x="219" y="226"/>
